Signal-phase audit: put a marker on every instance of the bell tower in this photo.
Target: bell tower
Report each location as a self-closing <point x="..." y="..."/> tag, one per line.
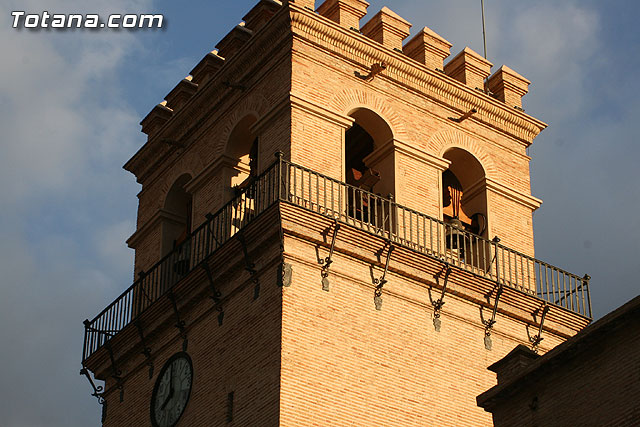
<point x="334" y="228"/>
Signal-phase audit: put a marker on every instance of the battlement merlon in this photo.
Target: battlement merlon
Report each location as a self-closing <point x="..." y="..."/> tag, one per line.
<point x="347" y="13"/>
<point x="207" y="67"/>
<point x="261" y="13"/>
<point x="180" y="94"/>
<point x="428" y="48"/>
<point x="509" y="86"/>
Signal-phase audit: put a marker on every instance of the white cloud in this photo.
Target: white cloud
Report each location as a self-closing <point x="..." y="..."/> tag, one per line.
<point x="109" y="243"/>
<point x="556" y="46"/>
<point x="67" y="128"/>
<point x="54" y="118"/>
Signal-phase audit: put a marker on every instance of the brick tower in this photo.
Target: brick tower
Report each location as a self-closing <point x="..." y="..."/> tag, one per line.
<point x="334" y="228"/>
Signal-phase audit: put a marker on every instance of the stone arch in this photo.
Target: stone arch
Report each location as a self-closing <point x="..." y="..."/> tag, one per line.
<point x="256" y="105"/>
<point x="238" y="143"/>
<point x="369" y="163"/>
<point x="465" y="203"/>
<point x="445" y="140"/>
<point x="175" y="197"/>
<point x="172" y="176"/>
<point x="373" y="124"/>
<point x="348" y="100"/>
<point x="240" y="156"/>
<point x="176" y="213"/>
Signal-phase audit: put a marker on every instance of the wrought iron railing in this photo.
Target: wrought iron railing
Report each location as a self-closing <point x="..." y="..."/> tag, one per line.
<point x="407" y="227"/>
<point x="288" y="182"/>
<point x="219" y="227"/>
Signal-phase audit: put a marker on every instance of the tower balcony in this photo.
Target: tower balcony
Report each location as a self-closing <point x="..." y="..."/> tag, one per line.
<point x="293" y="186"/>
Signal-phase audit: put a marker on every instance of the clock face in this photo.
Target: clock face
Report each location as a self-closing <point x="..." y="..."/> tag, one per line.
<point x="172" y="390"/>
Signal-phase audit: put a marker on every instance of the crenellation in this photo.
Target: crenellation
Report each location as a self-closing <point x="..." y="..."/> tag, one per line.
<point x="428" y="48"/>
<point x="261" y="13"/>
<point x="233" y="41"/>
<point x="508" y="86"/>
<point x="308" y="4"/>
<point x="180" y="94"/>
<point x="388" y="28"/>
<point x="470" y="68"/>
<point x="157" y="117"/>
<point x="207" y="67"/>
<point x="347" y="13"/>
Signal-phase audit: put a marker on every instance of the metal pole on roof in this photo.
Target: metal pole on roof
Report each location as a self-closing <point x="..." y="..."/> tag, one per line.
<point x="484" y="34"/>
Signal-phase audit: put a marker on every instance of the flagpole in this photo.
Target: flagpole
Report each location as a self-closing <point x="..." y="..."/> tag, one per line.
<point x="484" y="34"/>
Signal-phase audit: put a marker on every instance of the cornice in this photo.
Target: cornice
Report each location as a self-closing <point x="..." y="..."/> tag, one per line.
<point x="206" y="174"/>
<point x="319" y="111"/>
<point x="155" y="220"/>
<point x="452" y="94"/>
<point x="417" y="154"/>
<point x="267" y="117"/>
<point x="526" y="200"/>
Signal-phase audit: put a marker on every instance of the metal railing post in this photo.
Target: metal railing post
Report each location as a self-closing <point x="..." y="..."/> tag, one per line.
<point x="585" y="282"/>
<point x="86" y="323"/>
<point x="279" y="155"/>
<point x="495" y="245"/>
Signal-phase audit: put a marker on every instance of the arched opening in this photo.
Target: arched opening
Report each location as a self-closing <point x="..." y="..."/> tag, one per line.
<point x="241" y="155"/>
<point x="369" y="167"/>
<point x="176" y="227"/>
<point x="240" y="169"/>
<point x="464" y="202"/>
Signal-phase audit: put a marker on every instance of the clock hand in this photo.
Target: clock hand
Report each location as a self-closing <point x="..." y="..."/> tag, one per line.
<point x="171" y="379"/>
<point x="166" y="401"/>
<point x="170" y="395"/>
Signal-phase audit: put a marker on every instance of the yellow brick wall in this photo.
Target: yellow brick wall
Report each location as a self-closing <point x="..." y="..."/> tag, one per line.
<point x="345" y="363"/>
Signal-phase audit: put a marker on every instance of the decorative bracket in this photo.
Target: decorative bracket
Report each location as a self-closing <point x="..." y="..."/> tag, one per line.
<point x="215" y="292"/>
<point x="97" y="389"/>
<point x="117" y="373"/>
<point x="374" y="70"/>
<point x="488" y="325"/>
<point x="379" y="283"/>
<point x="537" y="339"/>
<point x="437" y="305"/>
<point x="465" y="116"/>
<point x="146" y="350"/>
<point x="249" y="266"/>
<point x="180" y="324"/>
<point x="326" y="263"/>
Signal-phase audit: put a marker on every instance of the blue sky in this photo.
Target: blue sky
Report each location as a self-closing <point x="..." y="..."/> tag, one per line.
<point x="70" y="103"/>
